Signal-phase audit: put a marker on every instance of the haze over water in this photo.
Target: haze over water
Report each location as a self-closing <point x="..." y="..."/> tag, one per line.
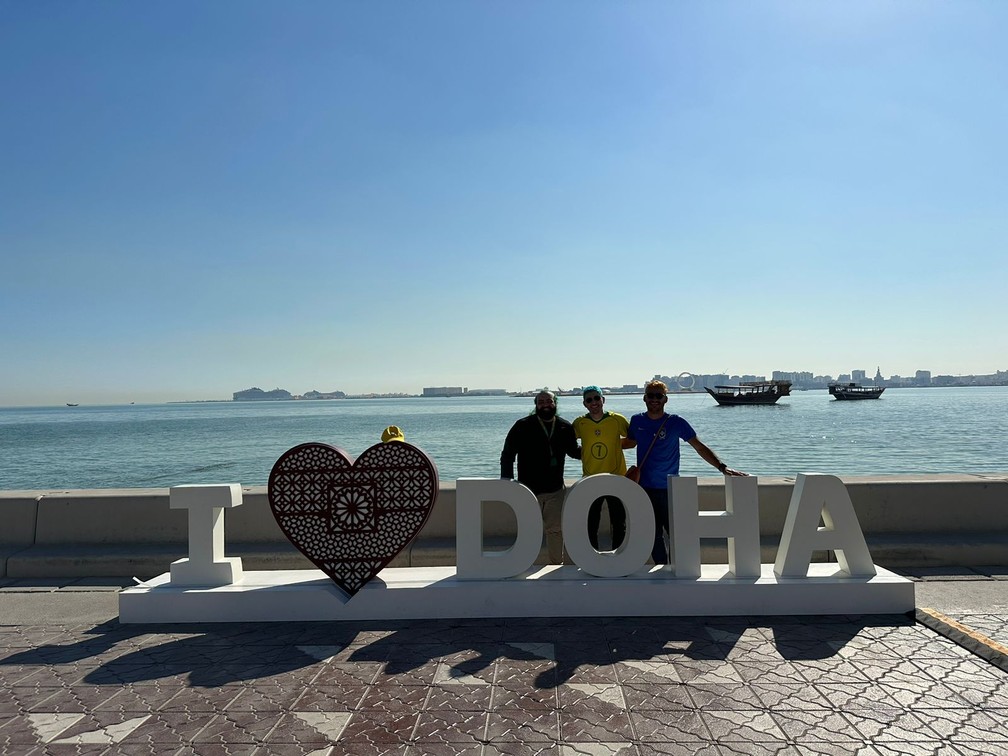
<point x="937" y="430"/>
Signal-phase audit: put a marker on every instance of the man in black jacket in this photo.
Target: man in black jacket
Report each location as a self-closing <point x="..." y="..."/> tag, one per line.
<point x="541" y="442"/>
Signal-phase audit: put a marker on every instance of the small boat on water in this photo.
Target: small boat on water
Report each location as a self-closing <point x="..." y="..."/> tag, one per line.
<point x="855" y="391"/>
<point x="750" y="392"/>
<point x="72" y="405"/>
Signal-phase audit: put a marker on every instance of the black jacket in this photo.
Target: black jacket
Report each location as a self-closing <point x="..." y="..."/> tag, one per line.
<point x="540" y="453"/>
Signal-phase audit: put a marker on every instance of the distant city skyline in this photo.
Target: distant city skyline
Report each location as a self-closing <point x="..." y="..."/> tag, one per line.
<point x="331" y="392"/>
<point x="196" y="198"/>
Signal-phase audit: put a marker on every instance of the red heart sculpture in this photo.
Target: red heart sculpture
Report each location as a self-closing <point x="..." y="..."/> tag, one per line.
<point x="352" y="518"/>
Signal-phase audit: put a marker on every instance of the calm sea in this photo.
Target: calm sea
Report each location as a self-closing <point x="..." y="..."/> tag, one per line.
<point x="938" y="430"/>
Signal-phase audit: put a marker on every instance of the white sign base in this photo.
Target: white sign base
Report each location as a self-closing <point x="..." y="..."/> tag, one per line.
<point x="555" y="591"/>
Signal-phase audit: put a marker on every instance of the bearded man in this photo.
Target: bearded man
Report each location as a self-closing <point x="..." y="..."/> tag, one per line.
<point x="542" y="441"/>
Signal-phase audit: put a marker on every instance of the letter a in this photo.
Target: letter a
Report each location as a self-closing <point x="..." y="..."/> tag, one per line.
<point x="816" y="495"/>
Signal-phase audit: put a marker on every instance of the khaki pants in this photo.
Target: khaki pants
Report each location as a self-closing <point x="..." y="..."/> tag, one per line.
<point x="552" y="512"/>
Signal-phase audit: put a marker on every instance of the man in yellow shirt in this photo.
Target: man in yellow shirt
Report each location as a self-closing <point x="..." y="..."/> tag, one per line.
<point x="603" y="437"/>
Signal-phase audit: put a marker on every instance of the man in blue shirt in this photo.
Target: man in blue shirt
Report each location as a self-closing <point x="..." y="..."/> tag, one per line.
<point x="657" y="435"/>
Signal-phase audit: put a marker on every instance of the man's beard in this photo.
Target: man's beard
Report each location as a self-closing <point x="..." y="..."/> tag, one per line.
<point x="546" y="413"/>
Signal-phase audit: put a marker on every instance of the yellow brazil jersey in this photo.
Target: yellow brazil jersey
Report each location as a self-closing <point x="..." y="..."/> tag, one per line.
<point x="601" y="451"/>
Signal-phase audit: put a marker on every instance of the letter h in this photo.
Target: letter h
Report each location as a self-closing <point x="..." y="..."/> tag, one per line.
<point x="738" y="523"/>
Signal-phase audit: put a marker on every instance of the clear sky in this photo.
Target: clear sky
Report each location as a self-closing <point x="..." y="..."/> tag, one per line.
<point x="200" y="197"/>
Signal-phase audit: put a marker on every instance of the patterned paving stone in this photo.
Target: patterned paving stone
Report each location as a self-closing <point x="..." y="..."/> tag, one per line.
<point x="218" y="749"/>
<point x="19" y="700"/>
<point x="963" y="672"/>
<point x="651" y="697"/>
<point x="529" y="650"/>
<point x="330" y="698"/>
<point x="663" y="672"/>
<point x="265" y="699"/>
<point x="379" y="726"/>
<point x="246" y="727"/>
<point x="730" y="695"/>
<point x="602" y="672"/>
<point x="787" y="696"/>
<point x="601" y="748"/>
<point x="684" y="725"/>
<point x="604" y="697"/>
<point x="829" y="670"/>
<point x="390" y="697"/>
<point x="594" y="726"/>
<point x="767" y="672"/>
<point x="539" y="674"/>
<point x="980" y="748"/>
<point x="518" y="725"/>
<point x="955" y="725"/>
<point x="176" y="729"/>
<point x="587" y="650"/>
<point x="768" y="748"/>
<point x="742" y="725"/>
<point x="138" y="698"/>
<point x="477" y="671"/>
<point x="78" y="698"/>
<point x="915" y="749"/>
<point x="202" y="699"/>
<point x="815" y="726"/>
<point x="647" y="686"/>
<point x="521" y="749"/>
<point x="428" y="748"/>
<point x="681" y="749"/>
<point x="309" y="729"/>
<point x="465" y="727"/>
<point x="891" y="725"/>
<point x="510" y="695"/>
<point x="459" y="697"/>
<point x="407" y="674"/>
<point x="339" y="674"/>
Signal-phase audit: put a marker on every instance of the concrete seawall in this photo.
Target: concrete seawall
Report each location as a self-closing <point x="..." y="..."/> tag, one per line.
<point x="918" y="520"/>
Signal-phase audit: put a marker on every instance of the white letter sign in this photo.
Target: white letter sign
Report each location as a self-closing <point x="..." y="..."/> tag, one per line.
<point x="739" y="524"/>
<point x="816" y="495"/>
<point x="472" y="561"/>
<point x="640" y="526"/>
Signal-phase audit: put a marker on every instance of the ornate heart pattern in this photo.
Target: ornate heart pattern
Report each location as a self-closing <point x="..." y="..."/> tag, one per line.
<point x="352" y="518"/>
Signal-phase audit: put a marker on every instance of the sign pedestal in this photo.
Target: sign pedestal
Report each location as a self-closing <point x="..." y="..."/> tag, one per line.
<point x="210" y="587"/>
<point x="436" y="593"/>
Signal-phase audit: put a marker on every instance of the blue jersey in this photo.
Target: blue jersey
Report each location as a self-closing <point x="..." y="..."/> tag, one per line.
<point x="664" y="457"/>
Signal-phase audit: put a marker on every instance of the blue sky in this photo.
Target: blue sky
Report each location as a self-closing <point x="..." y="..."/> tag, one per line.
<point x="200" y="197"/>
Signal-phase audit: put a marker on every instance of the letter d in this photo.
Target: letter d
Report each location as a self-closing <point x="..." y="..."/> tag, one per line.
<point x="473" y="563"/>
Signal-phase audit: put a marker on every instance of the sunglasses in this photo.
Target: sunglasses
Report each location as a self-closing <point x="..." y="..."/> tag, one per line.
<point x="654" y="396"/>
<point x="593" y="398"/>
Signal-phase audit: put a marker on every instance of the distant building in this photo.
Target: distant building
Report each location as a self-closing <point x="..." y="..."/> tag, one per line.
<point x="444" y="391"/>
<point x="922" y="377"/>
<point x="257" y="394"/>
<point x="858" y="376"/>
<point x="486" y="392"/>
<point x="799" y="379"/>
<point x="323" y="395"/>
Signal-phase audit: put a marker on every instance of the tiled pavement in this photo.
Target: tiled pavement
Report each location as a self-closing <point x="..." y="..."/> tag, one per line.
<point x="828" y="685"/>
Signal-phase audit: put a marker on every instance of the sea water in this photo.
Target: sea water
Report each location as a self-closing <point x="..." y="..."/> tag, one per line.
<point x="925" y="430"/>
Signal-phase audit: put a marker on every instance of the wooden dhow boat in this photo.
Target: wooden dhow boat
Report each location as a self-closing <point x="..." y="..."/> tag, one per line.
<point x="855" y="391"/>
<point x="750" y="392"/>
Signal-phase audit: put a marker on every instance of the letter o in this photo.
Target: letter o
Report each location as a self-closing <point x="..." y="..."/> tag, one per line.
<point x="633" y="553"/>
